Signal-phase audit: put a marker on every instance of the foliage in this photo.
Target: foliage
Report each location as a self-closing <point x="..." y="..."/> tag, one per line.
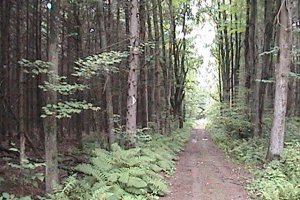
<point x="7" y="196"/>
<point x="28" y="169"/>
<point x="233" y="121"/>
<point x="86" y="67"/>
<point x="63" y="87"/>
<point x="277" y="180"/>
<point x="30" y="176"/>
<point x="67" y="108"/>
<point x="104" y="62"/>
<point x="280" y="179"/>
<point x="126" y="173"/>
<point x="228" y="133"/>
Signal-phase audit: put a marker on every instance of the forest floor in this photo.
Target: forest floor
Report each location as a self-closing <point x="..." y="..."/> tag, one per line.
<point x="203" y="173"/>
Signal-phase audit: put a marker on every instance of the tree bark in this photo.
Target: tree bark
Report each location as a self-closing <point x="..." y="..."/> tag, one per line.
<point x="50" y="123"/>
<point x="108" y="83"/>
<point x="133" y="67"/>
<point x="143" y="90"/>
<point x="157" y="67"/>
<point x="282" y="73"/>
<point x="165" y="71"/>
<point x="269" y="15"/>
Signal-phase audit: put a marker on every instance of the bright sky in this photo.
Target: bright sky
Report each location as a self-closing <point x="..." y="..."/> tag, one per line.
<point x="204" y="36"/>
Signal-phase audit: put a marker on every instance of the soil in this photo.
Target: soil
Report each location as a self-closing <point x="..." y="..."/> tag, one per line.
<point x="203" y="173"/>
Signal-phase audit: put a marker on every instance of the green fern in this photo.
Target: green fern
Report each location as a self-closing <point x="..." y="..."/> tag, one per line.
<point x="103" y="193"/>
<point x="126" y="174"/>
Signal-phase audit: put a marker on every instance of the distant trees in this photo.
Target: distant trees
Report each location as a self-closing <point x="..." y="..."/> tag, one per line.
<point x="267" y="31"/>
<point x="230" y="26"/>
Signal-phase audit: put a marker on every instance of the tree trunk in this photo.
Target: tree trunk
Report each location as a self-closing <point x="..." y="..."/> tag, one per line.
<point x="226" y="67"/>
<point x="165" y="71"/>
<point x="238" y="46"/>
<point x="50" y="123"/>
<point x="133" y="67"/>
<point x="297" y="98"/>
<point x="157" y="67"/>
<point x="252" y="93"/>
<point x="143" y="90"/>
<point x="269" y="15"/>
<point x="108" y="89"/>
<point x="282" y="73"/>
<point x="22" y="115"/>
<point x="149" y="76"/>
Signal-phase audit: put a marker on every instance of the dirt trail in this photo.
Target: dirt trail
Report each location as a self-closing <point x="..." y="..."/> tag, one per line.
<point x="203" y="173"/>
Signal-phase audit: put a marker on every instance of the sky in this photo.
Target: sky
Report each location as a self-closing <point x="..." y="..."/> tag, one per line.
<point x="204" y="35"/>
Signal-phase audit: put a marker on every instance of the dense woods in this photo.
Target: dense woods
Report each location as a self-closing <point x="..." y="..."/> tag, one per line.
<point x="262" y="74"/>
<point x="89" y="86"/>
<point x="257" y="50"/>
<point x="72" y="70"/>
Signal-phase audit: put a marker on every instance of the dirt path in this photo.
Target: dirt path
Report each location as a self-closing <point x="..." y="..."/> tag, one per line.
<point x="203" y="173"/>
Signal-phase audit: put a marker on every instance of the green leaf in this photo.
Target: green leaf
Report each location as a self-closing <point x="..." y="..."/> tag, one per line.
<point x="113" y="178"/>
<point x="136" y="182"/>
<point x="5" y="195"/>
<point x="124" y="178"/>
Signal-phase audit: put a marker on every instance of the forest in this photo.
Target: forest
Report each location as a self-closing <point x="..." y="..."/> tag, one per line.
<point x="115" y="100"/>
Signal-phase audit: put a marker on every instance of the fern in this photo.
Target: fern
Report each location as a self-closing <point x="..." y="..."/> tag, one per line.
<point x="103" y="193"/>
<point x="70" y="184"/>
<point x="126" y="174"/>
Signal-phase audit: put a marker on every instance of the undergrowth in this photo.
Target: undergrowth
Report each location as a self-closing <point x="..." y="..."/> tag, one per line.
<point x="136" y="173"/>
<point x="276" y="180"/>
<point x="122" y="174"/>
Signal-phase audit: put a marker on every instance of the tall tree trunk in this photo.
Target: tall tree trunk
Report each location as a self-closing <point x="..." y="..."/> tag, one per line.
<point x="143" y="90"/>
<point x="165" y="70"/>
<point x="4" y="65"/>
<point x="183" y="70"/>
<point x="238" y="46"/>
<point x="232" y="64"/>
<point x="297" y="100"/>
<point x="251" y="65"/>
<point x="226" y="80"/>
<point x="22" y="122"/>
<point x="171" y="60"/>
<point x="282" y="73"/>
<point x="22" y="115"/>
<point x="247" y="52"/>
<point x="269" y="14"/>
<point x="108" y="88"/>
<point x="157" y="67"/>
<point x="50" y="123"/>
<point x="133" y="70"/>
